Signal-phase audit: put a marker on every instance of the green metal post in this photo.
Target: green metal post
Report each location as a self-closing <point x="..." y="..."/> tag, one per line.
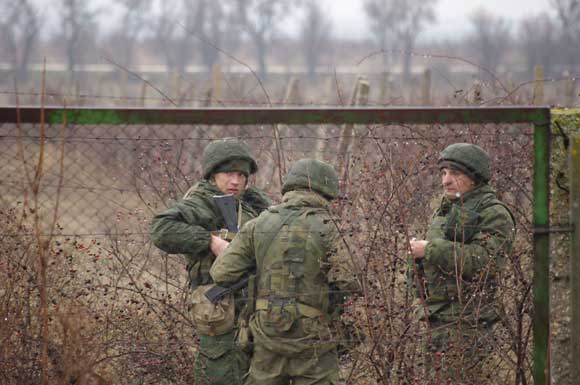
<point x="541" y="282"/>
<point x="575" y="254"/>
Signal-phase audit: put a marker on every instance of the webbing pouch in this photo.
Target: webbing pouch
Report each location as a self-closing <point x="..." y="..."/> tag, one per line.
<point x="281" y="318"/>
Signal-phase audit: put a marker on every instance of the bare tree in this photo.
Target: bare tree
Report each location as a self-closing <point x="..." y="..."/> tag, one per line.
<point x="214" y="23"/>
<point x="314" y="35"/>
<point x="414" y="15"/>
<point x="175" y="29"/>
<point x="134" y="18"/>
<point x="490" y="39"/>
<point x="78" y="29"/>
<point x="219" y="30"/>
<point x="568" y="13"/>
<point x="538" y="35"/>
<point x="381" y="15"/>
<point x="19" y="28"/>
<point x="404" y="19"/>
<point x="259" y="18"/>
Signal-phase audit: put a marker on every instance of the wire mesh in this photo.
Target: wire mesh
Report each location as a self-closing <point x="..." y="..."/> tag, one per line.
<point x="93" y="189"/>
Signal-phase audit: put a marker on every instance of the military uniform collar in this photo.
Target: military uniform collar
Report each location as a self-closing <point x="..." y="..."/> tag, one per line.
<point x="206" y="187"/>
<point x="304" y="198"/>
<point x="476" y="192"/>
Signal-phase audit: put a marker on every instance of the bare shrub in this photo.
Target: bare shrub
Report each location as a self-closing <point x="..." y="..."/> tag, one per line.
<point x="118" y="308"/>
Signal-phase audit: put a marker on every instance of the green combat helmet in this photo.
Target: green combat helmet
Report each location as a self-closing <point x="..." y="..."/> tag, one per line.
<point x="225" y="150"/>
<point x="468" y="158"/>
<point x="311" y="174"/>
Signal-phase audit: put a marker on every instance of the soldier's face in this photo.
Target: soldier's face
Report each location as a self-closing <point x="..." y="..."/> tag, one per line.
<point x="233" y="182"/>
<point x="455" y="183"/>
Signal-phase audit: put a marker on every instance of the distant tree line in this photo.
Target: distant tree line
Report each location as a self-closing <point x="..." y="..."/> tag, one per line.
<point x="183" y="32"/>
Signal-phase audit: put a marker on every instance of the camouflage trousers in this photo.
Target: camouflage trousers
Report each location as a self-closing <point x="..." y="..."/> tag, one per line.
<point x="269" y="368"/>
<point x="219" y="361"/>
<point x="456" y="353"/>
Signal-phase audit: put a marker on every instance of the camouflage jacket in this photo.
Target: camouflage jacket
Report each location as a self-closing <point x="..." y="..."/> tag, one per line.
<point x="303" y="272"/>
<point x="185" y="228"/>
<point x="468" y="241"/>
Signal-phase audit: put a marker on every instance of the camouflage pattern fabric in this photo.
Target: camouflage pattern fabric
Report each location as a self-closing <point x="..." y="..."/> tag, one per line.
<point x="219" y="361"/>
<point x="469" y="239"/>
<point x="299" y="256"/>
<point x="185" y="228"/>
<point x="270" y="369"/>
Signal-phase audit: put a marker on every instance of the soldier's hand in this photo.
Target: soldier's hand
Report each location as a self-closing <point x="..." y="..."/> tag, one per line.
<point x="218" y="245"/>
<point x="417" y="248"/>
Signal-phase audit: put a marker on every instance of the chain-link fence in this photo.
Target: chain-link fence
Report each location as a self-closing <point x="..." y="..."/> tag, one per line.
<point x="77" y="201"/>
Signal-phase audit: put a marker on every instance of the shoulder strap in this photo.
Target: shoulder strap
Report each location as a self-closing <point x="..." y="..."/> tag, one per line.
<point x="270" y="235"/>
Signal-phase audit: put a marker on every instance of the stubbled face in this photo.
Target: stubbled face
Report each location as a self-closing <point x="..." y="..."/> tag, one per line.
<point x="233" y="182"/>
<point x="455" y="183"/>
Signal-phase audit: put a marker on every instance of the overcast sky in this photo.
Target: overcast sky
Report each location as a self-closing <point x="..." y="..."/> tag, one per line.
<point x="452" y="15"/>
<point x="349" y="21"/>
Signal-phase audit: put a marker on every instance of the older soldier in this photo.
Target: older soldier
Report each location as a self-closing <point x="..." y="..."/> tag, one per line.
<point x="302" y="276"/>
<point x="189" y="228"/>
<point x="467" y="242"/>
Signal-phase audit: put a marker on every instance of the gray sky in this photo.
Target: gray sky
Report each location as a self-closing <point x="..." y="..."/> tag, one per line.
<point x="348" y="18"/>
<point x="452" y="15"/>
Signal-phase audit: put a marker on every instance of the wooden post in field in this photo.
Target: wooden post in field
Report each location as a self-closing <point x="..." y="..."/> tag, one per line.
<point x="175" y="87"/>
<point x="358" y="97"/>
<point x="322" y="130"/>
<point x="217" y="79"/>
<point x="143" y="94"/>
<point x="477" y="92"/>
<point x="292" y="95"/>
<point x="384" y="90"/>
<point x="241" y="88"/>
<point x="346" y="132"/>
<point x="123" y="88"/>
<point x="510" y="87"/>
<point x="538" y="95"/>
<point x="101" y="80"/>
<point x="78" y="96"/>
<point x="426" y="88"/>
<point x="569" y="87"/>
<point x="328" y="89"/>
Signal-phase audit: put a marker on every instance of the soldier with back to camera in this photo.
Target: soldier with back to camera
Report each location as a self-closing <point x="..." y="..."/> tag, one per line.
<point x="302" y="273"/>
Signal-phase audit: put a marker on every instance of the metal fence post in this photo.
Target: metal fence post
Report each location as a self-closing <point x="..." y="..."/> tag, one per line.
<point x="541" y="282"/>
<point x="575" y="254"/>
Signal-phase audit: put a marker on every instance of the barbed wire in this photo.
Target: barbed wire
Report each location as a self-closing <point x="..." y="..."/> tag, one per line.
<point x="421" y="138"/>
<point x="204" y="100"/>
<point x="400" y="231"/>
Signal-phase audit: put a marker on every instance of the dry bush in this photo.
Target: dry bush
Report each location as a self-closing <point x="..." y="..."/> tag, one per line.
<point x="118" y="308"/>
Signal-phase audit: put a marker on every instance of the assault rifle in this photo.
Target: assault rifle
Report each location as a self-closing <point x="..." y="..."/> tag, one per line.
<point x="216" y="293"/>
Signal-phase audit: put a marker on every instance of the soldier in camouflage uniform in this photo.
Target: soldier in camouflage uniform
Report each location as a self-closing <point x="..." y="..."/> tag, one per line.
<point x="189" y="228"/>
<point x="457" y="266"/>
<point x="303" y="274"/>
